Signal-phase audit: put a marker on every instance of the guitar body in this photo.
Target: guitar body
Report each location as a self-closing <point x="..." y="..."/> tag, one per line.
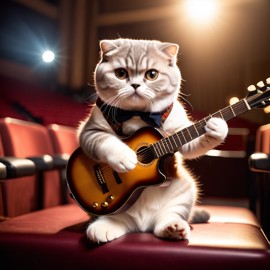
<point x="101" y="191"/>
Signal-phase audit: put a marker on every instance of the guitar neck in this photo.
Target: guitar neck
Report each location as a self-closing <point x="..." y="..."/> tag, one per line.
<point x="172" y="143"/>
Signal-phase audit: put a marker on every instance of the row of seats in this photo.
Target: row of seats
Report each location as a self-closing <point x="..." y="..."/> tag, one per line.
<point x="23" y="139"/>
<point x="50" y="233"/>
<point x="44" y="106"/>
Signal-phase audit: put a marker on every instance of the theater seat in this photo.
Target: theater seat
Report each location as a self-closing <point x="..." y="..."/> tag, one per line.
<point x="24" y="139"/>
<point x="54" y="238"/>
<point x="260" y="163"/>
<point x="64" y="138"/>
<point x="64" y="141"/>
<point x="18" y="195"/>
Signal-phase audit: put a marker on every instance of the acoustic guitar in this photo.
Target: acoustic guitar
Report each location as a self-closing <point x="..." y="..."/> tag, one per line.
<point x="100" y="190"/>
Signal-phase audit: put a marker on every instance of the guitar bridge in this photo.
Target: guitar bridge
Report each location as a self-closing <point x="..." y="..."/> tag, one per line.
<point x="100" y="179"/>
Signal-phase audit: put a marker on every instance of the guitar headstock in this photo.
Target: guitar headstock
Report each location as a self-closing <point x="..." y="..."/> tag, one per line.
<point x="259" y="96"/>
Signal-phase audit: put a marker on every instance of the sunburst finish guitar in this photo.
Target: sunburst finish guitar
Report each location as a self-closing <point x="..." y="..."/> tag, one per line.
<point x="100" y="190"/>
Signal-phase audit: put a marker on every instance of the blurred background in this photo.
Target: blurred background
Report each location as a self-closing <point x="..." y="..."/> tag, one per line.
<point x="224" y="44"/>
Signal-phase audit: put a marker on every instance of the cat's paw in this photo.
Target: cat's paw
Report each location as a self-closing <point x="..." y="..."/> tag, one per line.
<point x="122" y="159"/>
<point x="177" y="230"/>
<point x="102" y="232"/>
<point x="216" y="128"/>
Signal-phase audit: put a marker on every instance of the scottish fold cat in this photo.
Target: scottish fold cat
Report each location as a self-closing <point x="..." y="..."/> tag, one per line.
<point x="142" y="76"/>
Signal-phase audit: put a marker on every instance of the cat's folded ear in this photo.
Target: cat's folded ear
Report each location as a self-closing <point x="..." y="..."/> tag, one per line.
<point x="108" y="46"/>
<point x="171" y="50"/>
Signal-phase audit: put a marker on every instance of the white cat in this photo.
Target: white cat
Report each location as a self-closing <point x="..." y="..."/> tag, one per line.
<point x="142" y="76"/>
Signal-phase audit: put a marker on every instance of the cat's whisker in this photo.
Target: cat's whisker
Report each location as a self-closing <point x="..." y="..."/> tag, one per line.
<point x="181" y="96"/>
<point x="91" y="97"/>
<point x="111" y="100"/>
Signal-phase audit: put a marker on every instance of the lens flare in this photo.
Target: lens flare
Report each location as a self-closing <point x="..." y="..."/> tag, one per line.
<point x="48" y="56"/>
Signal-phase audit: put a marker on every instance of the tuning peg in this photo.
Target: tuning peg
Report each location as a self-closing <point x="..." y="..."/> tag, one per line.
<point x="268" y="81"/>
<point x="251" y="88"/>
<point x="260" y="84"/>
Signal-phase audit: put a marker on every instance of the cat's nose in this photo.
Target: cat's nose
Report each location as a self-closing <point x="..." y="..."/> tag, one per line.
<point x="135" y="86"/>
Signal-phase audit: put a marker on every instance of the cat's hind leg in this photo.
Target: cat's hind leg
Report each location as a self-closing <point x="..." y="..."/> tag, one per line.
<point x="177" y="229"/>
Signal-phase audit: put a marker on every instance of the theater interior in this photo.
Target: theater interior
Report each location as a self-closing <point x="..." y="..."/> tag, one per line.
<point x="48" y="53"/>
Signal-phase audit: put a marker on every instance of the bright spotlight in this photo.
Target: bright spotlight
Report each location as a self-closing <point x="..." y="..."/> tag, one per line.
<point x="201" y="10"/>
<point x="48" y="56"/>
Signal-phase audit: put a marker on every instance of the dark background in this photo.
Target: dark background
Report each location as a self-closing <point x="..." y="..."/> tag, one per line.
<point x="218" y="59"/>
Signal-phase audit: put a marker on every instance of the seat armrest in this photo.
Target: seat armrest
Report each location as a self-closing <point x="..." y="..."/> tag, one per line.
<point x="47" y="162"/>
<point x="12" y="167"/>
<point x="259" y="162"/>
<point x="61" y="160"/>
<point x="43" y="162"/>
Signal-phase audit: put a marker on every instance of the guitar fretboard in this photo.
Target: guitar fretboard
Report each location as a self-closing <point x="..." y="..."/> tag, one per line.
<point x="172" y="143"/>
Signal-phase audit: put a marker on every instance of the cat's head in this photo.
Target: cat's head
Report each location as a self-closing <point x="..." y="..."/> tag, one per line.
<point x="138" y="74"/>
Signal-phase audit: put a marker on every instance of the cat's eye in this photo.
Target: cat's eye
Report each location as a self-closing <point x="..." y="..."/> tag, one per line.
<point x="151" y="74"/>
<point x="121" y="73"/>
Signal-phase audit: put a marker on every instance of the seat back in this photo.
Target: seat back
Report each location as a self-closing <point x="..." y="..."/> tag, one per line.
<point x="25" y="139"/>
<point x="263" y="179"/>
<point x="263" y="139"/>
<point x="17" y="196"/>
<point x="64" y="138"/>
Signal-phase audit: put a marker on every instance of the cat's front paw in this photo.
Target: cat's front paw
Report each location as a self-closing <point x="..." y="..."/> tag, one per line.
<point x="122" y="160"/>
<point x="177" y="230"/>
<point x="216" y="128"/>
<point x="102" y="232"/>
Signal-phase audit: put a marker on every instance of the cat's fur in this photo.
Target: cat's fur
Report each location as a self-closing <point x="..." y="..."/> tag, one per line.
<point x="163" y="210"/>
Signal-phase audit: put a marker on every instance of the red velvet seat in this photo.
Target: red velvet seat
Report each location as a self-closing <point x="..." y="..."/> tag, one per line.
<point x="54" y="238"/>
<point x="64" y="141"/>
<point x="63" y="138"/>
<point x="25" y="139"/>
<point x="18" y="196"/>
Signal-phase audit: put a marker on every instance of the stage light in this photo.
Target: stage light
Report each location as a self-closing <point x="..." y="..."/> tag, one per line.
<point x="48" y="56"/>
<point x="201" y="10"/>
<point x="233" y="100"/>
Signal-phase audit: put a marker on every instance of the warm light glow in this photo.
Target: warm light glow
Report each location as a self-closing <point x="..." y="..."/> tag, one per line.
<point x="267" y="109"/>
<point x="233" y="100"/>
<point x="201" y="10"/>
<point x="48" y="56"/>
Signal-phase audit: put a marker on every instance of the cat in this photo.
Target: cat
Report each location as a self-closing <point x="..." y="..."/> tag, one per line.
<point x="143" y="76"/>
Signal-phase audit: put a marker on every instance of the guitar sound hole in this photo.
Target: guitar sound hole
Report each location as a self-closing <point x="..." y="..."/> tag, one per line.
<point x="145" y="155"/>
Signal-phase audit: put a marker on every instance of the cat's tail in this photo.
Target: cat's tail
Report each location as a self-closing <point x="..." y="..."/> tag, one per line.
<point x="199" y="216"/>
